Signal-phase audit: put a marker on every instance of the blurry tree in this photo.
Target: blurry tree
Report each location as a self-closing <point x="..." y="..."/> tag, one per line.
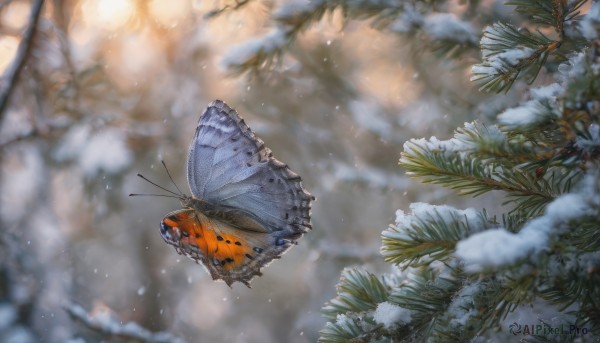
<point x="94" y="91"/>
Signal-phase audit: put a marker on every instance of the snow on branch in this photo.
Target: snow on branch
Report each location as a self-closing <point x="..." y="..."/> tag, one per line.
<point x="295" y="13"/>
<point x="437" y="26"/>
<point x="472" y="138"/>
<point x="446" y="26"/>
<point x="548" y="13"/>
<point x="358" y="291"/>
<point x="589" y="25"/>
<point x="423" y="212"/>
<point x="469" y="163"/>
<point x="590" y="144"/>
<point x="429" y="233"/>
<point x="447" y="32"/>
<point x="574" y="68"/>
<point x="390" y="315"/>
<point x="463" y="308"/>
<point x="507" y="52"/>
<point x="409" y="20"/>
<point x="109" y="326"/>
<point x="542" y="108"/>
<point x="258" y="52"/>
<point x="495" y="249"/>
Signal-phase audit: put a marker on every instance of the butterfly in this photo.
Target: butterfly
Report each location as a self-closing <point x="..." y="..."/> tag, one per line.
<point x="246" y="209"/>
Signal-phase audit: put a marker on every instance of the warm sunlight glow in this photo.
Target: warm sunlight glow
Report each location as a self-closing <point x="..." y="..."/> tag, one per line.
<point x="139" y="52"/>
<point x="169" y="12"/>
<point x="136" y="59"/>
<point x="107" y="14"/>
<point x="8" y="48"/>
<point x="84" y="42"/>
<point x="15" y="15"/>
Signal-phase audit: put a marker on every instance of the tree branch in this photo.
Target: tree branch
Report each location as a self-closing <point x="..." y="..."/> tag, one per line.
<point x="111" y="327"/>
<point x="11" y="76"/>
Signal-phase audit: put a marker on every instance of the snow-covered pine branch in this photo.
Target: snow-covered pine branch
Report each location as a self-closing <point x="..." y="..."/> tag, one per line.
<point x="464" y="273"/>
<point x="106" y="324"/>
<point x="495" y="249"/>
<point x="429" y="233"/>
<point x="507" y="52"/>
<point x="440" y="32"/>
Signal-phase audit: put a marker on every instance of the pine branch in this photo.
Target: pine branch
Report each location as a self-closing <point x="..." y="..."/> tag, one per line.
<point x="554" y="13"/>
<point x="265" y="52"/>
<point x="429" y="236"/>
<point x="539" y="238"/>
<point x="509" y="52"/>
<point x="444" y="34"/>
<point x="347" y="329"/>
<point x="466" y="273"/>
<point x="513" y="221"/>
<point x="480" y="159"/>
<point x="426" y="292"/>
<point x="554" y="183"/>
<point x="564" y="291"/>
<point x="470" y="175"/>
<point x="538" y="114"/>
<point x="574" y="280"/>
<point x="468" y="311"/>
<point x="358" y="291"/>
<point x="586" y="237"/>
<point x="490" y="143"/>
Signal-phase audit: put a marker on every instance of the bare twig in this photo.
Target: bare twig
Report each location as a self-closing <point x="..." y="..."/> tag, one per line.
<point x="218" y="11"/>
<point x="11" y="76"/>
<point x="111" y="327"/>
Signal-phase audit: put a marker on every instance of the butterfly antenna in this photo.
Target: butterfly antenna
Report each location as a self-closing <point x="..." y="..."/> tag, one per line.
<point x="161" y="187"/>
<point x="153" y="195"/>
<point x="168" y="173"/>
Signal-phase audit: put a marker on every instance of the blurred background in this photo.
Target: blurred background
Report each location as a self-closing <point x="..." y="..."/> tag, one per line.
<point x="112" y="87"/>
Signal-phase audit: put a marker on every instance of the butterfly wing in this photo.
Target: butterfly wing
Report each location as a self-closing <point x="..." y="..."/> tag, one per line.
<point x="247" y="208"/>
<point x="229" y="166"/>
<point x="227" y="253"/>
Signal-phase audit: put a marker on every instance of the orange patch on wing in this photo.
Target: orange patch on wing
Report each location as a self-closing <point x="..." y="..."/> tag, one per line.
<point x="230" y="250"/>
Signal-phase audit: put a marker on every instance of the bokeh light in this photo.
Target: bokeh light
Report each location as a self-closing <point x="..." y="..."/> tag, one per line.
<point x="8" y="48"/>
<point x="169" y="12"/>
<point x="107" y="14"/>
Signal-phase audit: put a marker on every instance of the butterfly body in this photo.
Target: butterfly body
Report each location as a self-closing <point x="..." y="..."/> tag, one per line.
<point x="246" y="209"/>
